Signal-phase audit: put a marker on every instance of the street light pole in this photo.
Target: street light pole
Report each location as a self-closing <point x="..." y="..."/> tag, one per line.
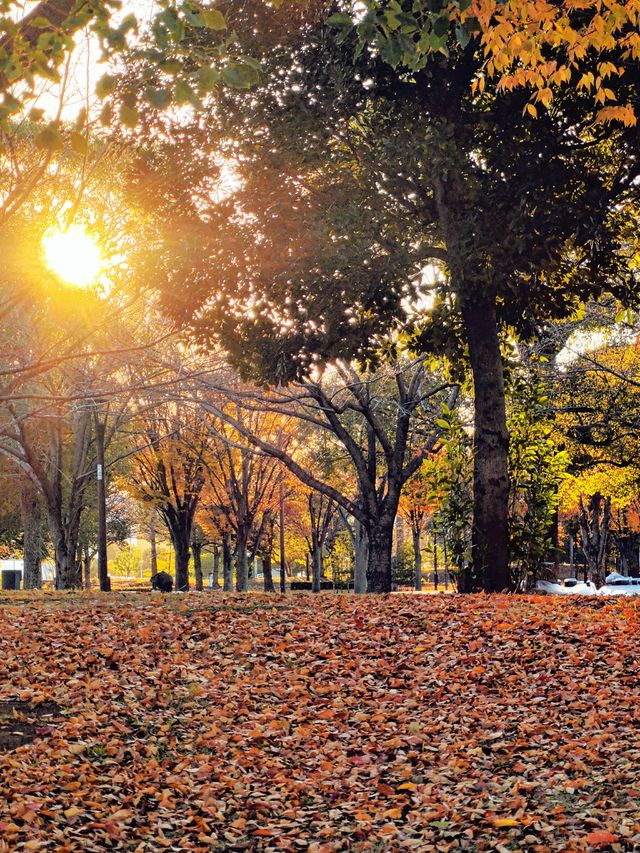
<point x="282" y="560"/>
<point x="103" y="574"/>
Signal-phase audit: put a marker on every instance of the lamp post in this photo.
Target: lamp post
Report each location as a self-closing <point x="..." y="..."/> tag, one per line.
<point x="283" y="587"/>
<point x="103" y="571"/>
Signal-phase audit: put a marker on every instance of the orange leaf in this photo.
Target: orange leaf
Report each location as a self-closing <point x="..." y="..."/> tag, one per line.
<point x="600" y="838"/>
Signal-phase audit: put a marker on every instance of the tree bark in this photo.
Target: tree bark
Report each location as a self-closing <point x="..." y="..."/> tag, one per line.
<point x="152" y="543"/>
<point x="183" y="555"/>
<point x="227" y="565"/>
<point x="269" y="586"/>
<point x="87" y="567"/>
<point x="379" y="556"/>
<point x="417" y="557"/>
<point x="316" y="562"/>
<point x="32" y="527"/>
<point x="196" y="550"/>
<point x="490" y="537"/>
<point x="595" y="520"/>
<point x="242" y="562"/>
<point x="216" y="567"/>
<point x="361" y="544"/>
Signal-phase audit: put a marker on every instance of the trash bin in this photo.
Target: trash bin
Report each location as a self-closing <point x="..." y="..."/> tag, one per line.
<point x="11" y="579"/>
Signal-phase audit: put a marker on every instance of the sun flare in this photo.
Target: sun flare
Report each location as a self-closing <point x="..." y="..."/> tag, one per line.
<point x="73" y="255"/>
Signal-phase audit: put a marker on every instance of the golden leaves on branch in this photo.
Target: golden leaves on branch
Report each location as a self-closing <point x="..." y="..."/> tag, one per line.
<point x="518" y="39"/>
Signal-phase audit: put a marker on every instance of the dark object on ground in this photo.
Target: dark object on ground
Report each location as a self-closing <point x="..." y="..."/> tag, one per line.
<point x="162" y="581"/>
<point x="11" y="579"/>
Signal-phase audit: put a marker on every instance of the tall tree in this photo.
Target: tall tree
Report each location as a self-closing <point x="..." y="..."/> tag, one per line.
<point x="169" y="471"/>
<point x="353" y="179"/>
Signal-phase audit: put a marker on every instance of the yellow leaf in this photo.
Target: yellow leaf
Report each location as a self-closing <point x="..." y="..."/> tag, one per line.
<point x="506" y="821"/>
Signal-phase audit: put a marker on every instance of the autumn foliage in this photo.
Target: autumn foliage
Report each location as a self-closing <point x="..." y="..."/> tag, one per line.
<point x="270" y="723"/>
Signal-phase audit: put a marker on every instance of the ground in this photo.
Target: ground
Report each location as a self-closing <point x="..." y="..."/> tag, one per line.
<point x="210" y="722"/>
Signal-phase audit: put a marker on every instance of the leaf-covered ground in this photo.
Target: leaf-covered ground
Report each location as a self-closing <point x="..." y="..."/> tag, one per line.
<point x="204" y="722"/>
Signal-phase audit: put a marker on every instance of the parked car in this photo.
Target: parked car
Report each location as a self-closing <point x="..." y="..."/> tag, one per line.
<point x="572" y="586"/>
<point x="617" y="584"/>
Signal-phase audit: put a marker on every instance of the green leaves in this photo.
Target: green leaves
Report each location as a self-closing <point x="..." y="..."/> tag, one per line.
<point x="105" y="85"/>
<point x="49" y="139"/>
<point x="79" y="143"/>
<point x="214" y="20"/>
<point x="241" y="75"/>
<point x="128" y="116"/>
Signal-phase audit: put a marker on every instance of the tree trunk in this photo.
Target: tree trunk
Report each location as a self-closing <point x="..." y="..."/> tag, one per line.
<point x="196" y="550"/>
<point x="316" y="563"/>
<point x="216" y="567"/>
<point x="379" y="558"/>
<point x="242" y="562"/>
<point x="435" y="561"/>
<point x="32" y="527"/>
<point x="227" y="565"/>
<point x="417" y="558"/>
<point x="594" y="528"/>
<point x="490" y="538"/>
<point x="266" y="571"/>
<point x="361" y="545"/>
<point x="87" y="567"/>
<point x="152" y="543"/>
<point x="183" y="554"/>
<point x="67" y="575"/>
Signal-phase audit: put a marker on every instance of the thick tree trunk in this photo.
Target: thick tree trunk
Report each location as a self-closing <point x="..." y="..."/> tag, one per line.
<point x="67" y="574"/>
<point x="379" y="557"/>
<point x="242" y="562"/>
<point x="32" y="527"/>
<point x="361" y="545"/>
<point x="595" y="520"/>
<point x="227" y="566"/>
<point x="490" y="538"/>
<point x="267" y="573"/>
<point x="417" y="558"/>
<point x="196" y="550"/>
<point x="183" y="554"/>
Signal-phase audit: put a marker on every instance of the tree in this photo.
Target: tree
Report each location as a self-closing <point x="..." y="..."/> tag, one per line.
<point x="241" y="482"/>
<point x="416" y="507"/>
<point x="595" y="519"/>
<point x="169" y="472"/>
<point x="354" y="178"/>
<point x="374" y="420"/>
<point x="321" y="515"/>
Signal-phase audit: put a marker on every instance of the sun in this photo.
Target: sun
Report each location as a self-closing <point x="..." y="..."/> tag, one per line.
<point x="73" y="255"/>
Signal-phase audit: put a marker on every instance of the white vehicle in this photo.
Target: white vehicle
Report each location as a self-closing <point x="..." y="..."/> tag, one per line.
<point x="572" y="586"/>
<point x="617" y="584"/>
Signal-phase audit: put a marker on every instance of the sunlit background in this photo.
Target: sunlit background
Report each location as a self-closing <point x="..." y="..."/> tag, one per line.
<point x="73" y="255"/>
